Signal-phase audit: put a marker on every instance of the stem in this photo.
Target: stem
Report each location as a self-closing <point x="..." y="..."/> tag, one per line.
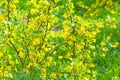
<point x="46" y="30"/>
<point x="3" y="67"/>
<point x="14" y="48"/>
<point x="74" y="43"/>
<point x="8" y="13"/>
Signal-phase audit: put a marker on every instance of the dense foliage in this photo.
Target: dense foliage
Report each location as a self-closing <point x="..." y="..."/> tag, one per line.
<point x="59" y="40"/>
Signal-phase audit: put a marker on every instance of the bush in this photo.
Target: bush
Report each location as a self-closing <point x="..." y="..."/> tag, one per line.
<point x="59" y="40"/>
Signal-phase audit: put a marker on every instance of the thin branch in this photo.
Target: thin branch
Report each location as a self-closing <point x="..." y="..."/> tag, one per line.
<point x="14" y="48"/>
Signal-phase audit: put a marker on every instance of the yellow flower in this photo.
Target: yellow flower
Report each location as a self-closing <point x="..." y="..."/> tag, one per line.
<point x="46" y="49"/>
<point x="102" y="54"/>
<point x="68" y="55"/>
<point x="33" y="11"/>
<point x="1" y="17"/>
<point x="100" y="25"/>
<point x="113" y="12"/>
<point x="47" y="64"/>
<point x="9" y="56"/>
<point x="10" y="75"/>
<point x="16" y="1"/>
<point x="40" y="56"/>
<point x="26" y="70"/>
<point x="49" y="58"/>
<point x="81" y="30"/>
<point x="53" y="75"/>
<point x="88" y="71"/>
<point x="92" y="47"/>
<point x="31" y="26"/>
<point x="91" y="14"/>
<point x="92" y="65"/>
<point x="72" y="38"/>
<point x="88" y="56"/>
<point x="102" y="43"/>
<point x="35" y="64"/>
<point x="84" y="78"/>
<point x="8" y="68"/>
<point x="11" y="62"/>
<point x="43" y="74"/>
<point x="60" y="57"/>
<point x="54" y="52"/>
<point x="65" y="15"/>
<point x="21" y="54"/>
<point x="1" y="54"/>
<point x="105" y="49"/>
<point x="56" y="1"/>
<point x="115" y="44"/>
<point x="69" y="68"/>
<point x="36" y="41"/>
<point x="29" y="65"/>
<point x="57" y="9"/>
<point x="113" y="26"/>
<point x="112" y="19"/>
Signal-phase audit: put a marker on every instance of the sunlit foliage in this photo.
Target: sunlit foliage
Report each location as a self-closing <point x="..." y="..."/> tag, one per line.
<point x="58" y="39"/>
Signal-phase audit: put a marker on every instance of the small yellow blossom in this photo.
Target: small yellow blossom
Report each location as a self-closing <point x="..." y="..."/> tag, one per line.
<point x="92" y="65"/>
<point x="113" y="26"/>
<point x="54" y="52"/>
<point x="36" y="41"/>
<point x="60" y="57"/>
<point x="1" y="17"/>
<point x="9" y="56"/>
<point x="26" y="70"/>
<point x="113" y="12"/>
<point x="8" y="68"/>
<point x="112" y="19"/>
<point x="92" y="47"/>
<point x="35" y="64"/>
<point x="33" y="11"/>
<point x="115" y="44"/>
<point x="56" y="1"/>
<point x="65" y="15"/>
<point x="10" y="75"/>
<point x="69" y="68"/>
<point x="88" y="56"/>
<point x="16" y="1"/>
<point x="81" y="30"/>
<point x="57" y="9"/>
<point x="100" y="25"/>
<point x="47" y="64"/>
<point x="1" y="54"/>
<point x="53" y="75"/>
<point x="102" y="54"/>
<point x="68" y="55"/>
<point x="46" y="49"/>
<point x="84" y="78"/>
<point x="91" y="14"/>
<point x="21" y="54"/>
<point x="43" y="74"/>
<point x="105" y="49"/>
<point x="88" y="71"/>
<point x="102" y="43"/>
